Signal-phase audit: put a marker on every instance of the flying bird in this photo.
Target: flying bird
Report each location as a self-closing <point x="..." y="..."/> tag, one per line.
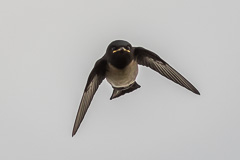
<point x="119" y="66"/>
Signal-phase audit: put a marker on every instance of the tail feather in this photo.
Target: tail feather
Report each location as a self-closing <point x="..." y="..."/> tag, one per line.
<point x="117" y="92"/>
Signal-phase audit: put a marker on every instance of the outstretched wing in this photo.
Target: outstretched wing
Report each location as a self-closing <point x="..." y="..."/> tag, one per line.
<point x="152" y="60"/>
<point x="95" y="78"/>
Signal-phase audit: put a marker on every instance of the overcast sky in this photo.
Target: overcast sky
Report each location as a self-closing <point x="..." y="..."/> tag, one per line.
<point x="48" y="48"/>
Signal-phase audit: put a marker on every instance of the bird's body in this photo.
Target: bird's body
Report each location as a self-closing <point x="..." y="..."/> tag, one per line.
<point x="120" y="78"/>
<point x="119" y="66"/>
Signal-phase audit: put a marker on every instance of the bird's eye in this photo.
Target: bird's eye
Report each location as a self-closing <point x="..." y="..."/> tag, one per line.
<point x="128" y="47"/>
<point x="113" y="48"/>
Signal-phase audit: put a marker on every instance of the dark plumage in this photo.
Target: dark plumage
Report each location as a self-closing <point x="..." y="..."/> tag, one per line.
<point x="119" y="66"/>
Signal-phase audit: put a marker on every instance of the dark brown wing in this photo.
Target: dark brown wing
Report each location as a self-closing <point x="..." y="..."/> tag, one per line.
<point x="95" y="78"/>
<point x="152" y="60"/>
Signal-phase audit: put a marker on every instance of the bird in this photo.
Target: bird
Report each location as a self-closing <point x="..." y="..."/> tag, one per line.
<point x="119" y="65"/>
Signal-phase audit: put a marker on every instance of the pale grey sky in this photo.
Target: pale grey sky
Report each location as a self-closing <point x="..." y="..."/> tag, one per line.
<point x="48" y="48"/>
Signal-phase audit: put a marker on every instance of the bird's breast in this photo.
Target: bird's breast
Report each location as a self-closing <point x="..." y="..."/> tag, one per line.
<point x="122" y="77"/>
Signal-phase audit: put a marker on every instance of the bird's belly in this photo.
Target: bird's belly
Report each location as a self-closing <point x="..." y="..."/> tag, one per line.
<point x="122" y="77"/>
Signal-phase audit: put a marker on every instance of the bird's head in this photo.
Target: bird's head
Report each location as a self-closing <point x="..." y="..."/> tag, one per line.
<point x="119" y="53"/>
<point x="119" y="46"/>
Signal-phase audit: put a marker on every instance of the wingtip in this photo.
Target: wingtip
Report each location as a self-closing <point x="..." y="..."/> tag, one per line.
<point x="197" y="92"/>
<point x="73" y="133"/>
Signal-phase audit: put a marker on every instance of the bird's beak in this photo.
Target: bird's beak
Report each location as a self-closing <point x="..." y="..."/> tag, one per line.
<point x="122" y="48"/>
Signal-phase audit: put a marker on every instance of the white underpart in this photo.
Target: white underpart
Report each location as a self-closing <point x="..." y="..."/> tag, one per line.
<point x="122" y="77"/>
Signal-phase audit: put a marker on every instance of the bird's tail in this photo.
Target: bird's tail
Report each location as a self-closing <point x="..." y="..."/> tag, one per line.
<point x="117" y="92"/>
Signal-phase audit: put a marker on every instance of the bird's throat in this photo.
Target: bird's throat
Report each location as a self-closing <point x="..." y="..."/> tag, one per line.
<point x="120" y="60"/>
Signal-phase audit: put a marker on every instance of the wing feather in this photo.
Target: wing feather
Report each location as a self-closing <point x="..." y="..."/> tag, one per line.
<point x="147" y="58"/>
<point x="94" y="80"/>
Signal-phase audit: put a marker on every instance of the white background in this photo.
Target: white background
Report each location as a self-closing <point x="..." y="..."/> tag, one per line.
<point x="48" y="48"/>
